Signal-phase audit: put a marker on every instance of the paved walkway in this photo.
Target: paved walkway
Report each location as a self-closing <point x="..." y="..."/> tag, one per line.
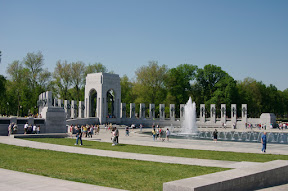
<point x="137" y="139"/>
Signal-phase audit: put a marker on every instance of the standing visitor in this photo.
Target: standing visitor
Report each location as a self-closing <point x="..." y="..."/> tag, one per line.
<point x="34" y="129"/>
<point x="167" y="134"/>
<point x="15" y="128"/>
<point x="153" y="134"/>
<point x="141" y="127"/>
<point x="25" y="128"/>
<point x="113" y="138"/>
<point x="157" y="133"/>
<point x="215" y="135"/>
<point x="38" y="129"/>
<point x="127" y="131"/>
<point x="263" y="141"/>
<point x="162" y="136"/>
<point x="78" y="136"/>
<point x="117" y="135"/>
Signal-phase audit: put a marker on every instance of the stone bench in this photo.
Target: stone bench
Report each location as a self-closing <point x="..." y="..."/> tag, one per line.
<point x="247" y="178"/>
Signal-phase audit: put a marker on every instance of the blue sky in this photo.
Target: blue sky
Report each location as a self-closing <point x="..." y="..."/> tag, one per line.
<point x="247" y="38"/>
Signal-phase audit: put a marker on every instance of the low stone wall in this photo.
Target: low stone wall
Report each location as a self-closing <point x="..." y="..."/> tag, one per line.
<point x="247" y="178"/>
<point x="20" y="121"/>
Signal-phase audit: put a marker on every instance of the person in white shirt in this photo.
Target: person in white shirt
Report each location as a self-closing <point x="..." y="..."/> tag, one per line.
<point x="25" y="128"/>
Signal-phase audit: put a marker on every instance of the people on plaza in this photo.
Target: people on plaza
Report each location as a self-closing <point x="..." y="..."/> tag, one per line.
<point x="263" y="141"/>
<point x="34" y="129"/>
<point x="141" y="126"/>
<point x="26" y="128"/>
<point x="98" y="130"/>
<point x="85" y="129"/>
<point x="38" y="129"/>
<point x="15" y="128"/>
<point x="113" y="138"/>
<point x="127" y="131"/>
<point x="215" y="135"/>
<point x="10" y="128"/>
<point x="167" y="134"/>
<point x="153" y="133"/>
<point x="90" y="131"/>
<point x="78" y="136"/>
<point x="162" y="136"/>
<point x="157" y="133"/>
<point x="117" y="135"/>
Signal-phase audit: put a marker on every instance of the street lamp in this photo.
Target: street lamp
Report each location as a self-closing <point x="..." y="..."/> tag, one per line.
<point x="0" y="56"/>
<point x="21" y="108"/>
<point x="7" y="109"/>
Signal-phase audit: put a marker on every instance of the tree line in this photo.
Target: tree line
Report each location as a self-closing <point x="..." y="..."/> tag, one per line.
<point x="153" y="83"/>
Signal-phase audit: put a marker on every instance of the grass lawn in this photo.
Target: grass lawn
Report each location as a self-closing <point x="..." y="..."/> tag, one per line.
<point x="188" y="153"/>
<point x="102" y="171"/>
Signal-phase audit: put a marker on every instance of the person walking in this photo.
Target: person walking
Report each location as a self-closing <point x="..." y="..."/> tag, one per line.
<point x="117" y="135"/>
<point x="153" y="134"/>
<point x="167" y="134"/>
<point x="127" y="131"/>
<point x="78" y="136"/>
<point x="263" y="141"/>
<point x="215" y="135"/>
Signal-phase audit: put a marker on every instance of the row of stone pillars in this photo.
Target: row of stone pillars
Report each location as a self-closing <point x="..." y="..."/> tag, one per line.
<point x="142" y="111"/>
<point x="72" y="108"/>
<point x="223" y="113"/>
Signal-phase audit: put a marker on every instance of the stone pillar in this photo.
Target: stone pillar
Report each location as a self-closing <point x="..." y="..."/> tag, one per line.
<point x="74" y="108"/>
<point x="223" y="113"/>
<point x="212" y="113"/>
<point x="151" y="111"/>
<point x="60" y="103"/>
<point x="55" y="102"/>
<point x="67" y="108"/>
<point x="172" y="112"/>
<point x="182" y="112"/>
<point x="202" y="113"/>
<point x="123" y="110"/>
<point x="49" y="98"/>
<point x="142" y="110"/>
<point x="244" y="113"/>
<point x="233" y="113"/>
<point x="132" y="110"/>
<point x="162" y="111"/>
<point x="81" y="109"/>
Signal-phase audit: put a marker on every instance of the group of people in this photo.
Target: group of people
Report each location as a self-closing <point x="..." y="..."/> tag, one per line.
<point x="160" y="134"/>
<point x="31" y="129"/>
<point x="115" y="136"/>
<point x="28" y="129"/>
<point x="87" y="130"/>
<point x="12" y="128"/>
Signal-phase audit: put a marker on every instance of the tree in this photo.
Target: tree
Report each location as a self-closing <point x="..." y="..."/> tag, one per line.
<point x="3" y="82"/>
<point x="77" y="76"/>
<point x="178" y="83"/>
<point x="207" y="78"/>
<point x="34" y="62"/>
<point x="62" y="76"/>
<point x="95" y="68"/>
<point x="127" y="95"/>
<point x="149" y="86"/>
<point x="16" y="87"/>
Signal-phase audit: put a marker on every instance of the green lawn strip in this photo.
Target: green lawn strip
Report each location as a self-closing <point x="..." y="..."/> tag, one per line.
<point x="102" y="171"/>
<point x="188" y="153"/>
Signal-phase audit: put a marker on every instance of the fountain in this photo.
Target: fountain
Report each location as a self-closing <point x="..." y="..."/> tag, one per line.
<point x="188" y="126"/>
<point x="189" y="129"/>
